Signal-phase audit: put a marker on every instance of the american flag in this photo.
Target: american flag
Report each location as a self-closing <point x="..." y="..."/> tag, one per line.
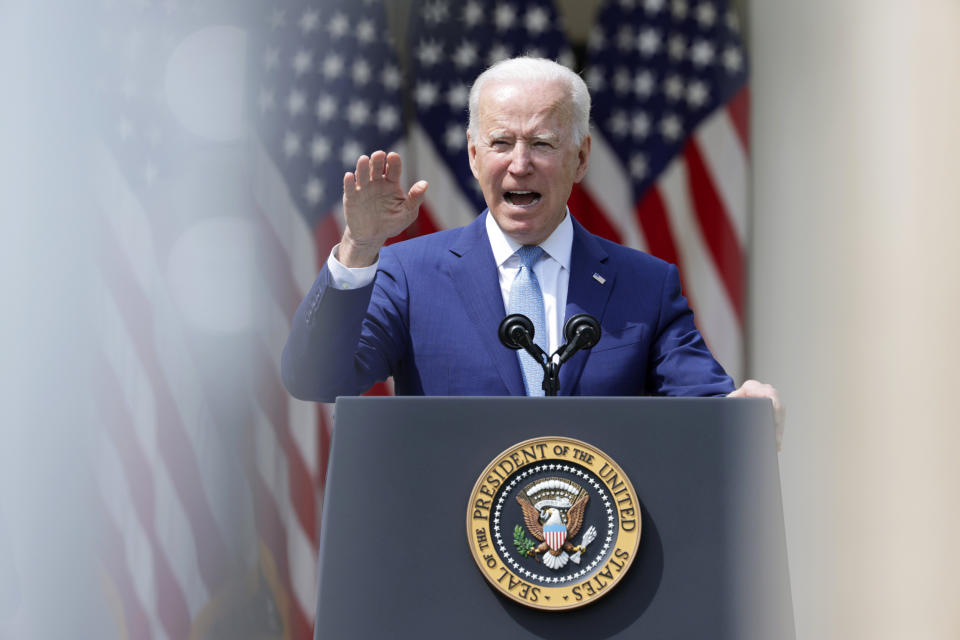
<point x="450" y="44"/>
<point x="670" y="149"/>
<point x="209" y="473"/>
<point x="172" y="487"/>
<point x="326" y="88"/>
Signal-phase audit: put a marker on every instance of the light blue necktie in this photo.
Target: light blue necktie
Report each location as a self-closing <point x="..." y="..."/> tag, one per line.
<point x="526" y="298"/>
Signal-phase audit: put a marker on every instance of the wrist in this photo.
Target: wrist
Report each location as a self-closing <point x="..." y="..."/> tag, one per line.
<point x="355" y="254"/>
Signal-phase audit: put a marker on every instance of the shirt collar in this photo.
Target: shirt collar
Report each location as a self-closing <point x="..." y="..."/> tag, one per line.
<point x="558" y="245"/>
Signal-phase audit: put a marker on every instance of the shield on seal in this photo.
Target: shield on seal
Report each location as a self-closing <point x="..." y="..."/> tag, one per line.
<point x="555" y="533"/>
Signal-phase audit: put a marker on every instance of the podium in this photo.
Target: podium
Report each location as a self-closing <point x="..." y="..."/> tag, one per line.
<point x="394" y="555"/>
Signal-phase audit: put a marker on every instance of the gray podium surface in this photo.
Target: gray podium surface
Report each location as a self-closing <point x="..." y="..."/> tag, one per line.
<point x="394" y="557"/>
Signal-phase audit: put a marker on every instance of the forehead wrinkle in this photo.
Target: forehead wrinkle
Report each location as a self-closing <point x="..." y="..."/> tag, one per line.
<point x="531" y="131"/>
<point x="559" y="108"/>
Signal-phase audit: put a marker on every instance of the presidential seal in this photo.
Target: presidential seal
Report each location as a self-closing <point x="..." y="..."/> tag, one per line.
<point x="553" y="523"/>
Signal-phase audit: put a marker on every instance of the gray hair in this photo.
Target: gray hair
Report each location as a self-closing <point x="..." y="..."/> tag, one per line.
<point x="527" y="69"/>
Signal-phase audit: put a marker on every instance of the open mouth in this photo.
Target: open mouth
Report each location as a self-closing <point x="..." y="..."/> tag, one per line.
<point x="522" y="198"/>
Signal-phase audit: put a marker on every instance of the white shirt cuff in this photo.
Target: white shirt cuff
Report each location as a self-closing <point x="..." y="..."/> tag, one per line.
<point x="346" y="277"/>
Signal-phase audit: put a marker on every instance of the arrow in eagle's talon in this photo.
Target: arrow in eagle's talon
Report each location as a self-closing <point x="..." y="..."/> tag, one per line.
<point x="588" y="537"/>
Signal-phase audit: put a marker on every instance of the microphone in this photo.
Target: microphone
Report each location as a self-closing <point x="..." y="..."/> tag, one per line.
<point x="582" y="331"/>
<point x="516" y="331"/>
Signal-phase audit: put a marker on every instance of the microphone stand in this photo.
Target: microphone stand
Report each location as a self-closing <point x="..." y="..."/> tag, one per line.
<point x="551" y="376"/>
<point x="582" y="331"/>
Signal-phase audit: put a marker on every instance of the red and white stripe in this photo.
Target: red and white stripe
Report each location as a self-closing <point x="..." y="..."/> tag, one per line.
<point x="555" y="539"/>
<point x="292" y="438"/>
<point x="696" y="216"/>
<point x="161" y="495"/>
<point x="444" y="205"/>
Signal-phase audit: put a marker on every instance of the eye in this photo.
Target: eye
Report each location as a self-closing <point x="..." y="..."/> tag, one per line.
<point x="499" y="143"/>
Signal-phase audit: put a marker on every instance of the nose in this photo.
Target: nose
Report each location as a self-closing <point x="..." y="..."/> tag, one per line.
<point x="520" y="159"/>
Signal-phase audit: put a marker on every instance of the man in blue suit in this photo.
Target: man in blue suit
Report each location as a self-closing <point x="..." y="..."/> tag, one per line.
<point x="426" y="311"/>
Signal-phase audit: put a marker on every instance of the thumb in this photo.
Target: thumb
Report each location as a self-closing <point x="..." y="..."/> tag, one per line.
<point x="416" y="194"/>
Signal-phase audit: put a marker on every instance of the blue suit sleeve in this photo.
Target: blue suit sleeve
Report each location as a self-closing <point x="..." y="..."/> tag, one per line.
<point x="680" y="362"/>
<point x="343" y="342"/>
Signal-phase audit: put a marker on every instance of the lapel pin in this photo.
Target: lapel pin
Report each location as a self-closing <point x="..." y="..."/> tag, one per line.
<point x="599" y="278"/>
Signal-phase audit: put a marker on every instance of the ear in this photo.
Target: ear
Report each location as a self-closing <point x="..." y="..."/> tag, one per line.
<point x="583" y="159"/>
<point x="472" y="155"/>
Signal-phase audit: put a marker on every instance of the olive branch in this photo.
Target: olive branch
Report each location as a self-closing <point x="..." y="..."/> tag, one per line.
<point x="523" y="544"/>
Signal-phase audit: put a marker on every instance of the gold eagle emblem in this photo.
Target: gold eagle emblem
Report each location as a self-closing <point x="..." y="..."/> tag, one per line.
<point x="553" y="511"/>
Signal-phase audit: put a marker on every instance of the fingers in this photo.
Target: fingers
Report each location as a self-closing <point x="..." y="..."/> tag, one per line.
<point x="394" y="167"/>
<point x="363" y="171"/>
<point x="755" y="389"/>
<point x="381" y="166"/>
<point x="377" y="161"/>
<point x="377" y="180"/>
<point x="377" y="166"/>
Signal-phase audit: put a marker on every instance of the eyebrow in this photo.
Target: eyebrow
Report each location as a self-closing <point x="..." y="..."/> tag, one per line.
<point x="540" y="137"/>
<point x="546" y="137"/>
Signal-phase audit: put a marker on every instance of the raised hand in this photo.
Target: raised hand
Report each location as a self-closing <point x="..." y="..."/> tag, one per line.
<point x="375" y="207"/>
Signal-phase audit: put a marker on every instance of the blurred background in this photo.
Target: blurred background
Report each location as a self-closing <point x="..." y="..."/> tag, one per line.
<point x="170" y="174"/>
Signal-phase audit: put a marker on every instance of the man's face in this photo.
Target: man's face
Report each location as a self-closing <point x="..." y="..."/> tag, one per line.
<point x="524" y="156"/>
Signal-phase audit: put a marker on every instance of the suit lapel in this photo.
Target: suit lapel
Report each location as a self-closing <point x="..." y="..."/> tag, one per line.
<point x="585" y="294"/>
<point x="474" y="274"/>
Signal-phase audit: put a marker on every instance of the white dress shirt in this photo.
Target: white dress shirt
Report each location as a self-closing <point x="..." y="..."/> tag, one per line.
<point x="552" y="271"/>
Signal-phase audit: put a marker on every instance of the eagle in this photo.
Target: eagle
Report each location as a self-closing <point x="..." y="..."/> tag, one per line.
<point x="553" y="534"/>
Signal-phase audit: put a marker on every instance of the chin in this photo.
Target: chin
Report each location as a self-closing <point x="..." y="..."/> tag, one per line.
<point x="526" y="235"/>
<point x="514" y="224"/>
<point x="526" y="226"/>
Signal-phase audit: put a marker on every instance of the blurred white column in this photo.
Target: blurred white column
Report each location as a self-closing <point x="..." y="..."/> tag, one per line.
<point x="855" y="305"/>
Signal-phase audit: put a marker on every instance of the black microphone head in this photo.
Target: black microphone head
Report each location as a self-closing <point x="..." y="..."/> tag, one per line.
<point x="513" y="328"/>
<point x="585" y="326"/>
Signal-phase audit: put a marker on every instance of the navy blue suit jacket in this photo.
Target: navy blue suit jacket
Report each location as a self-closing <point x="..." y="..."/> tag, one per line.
<point x="430" y="320"/>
